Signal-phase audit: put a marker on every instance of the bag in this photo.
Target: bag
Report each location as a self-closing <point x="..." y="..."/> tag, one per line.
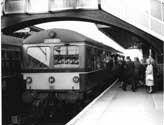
<point x="150" y="77"/>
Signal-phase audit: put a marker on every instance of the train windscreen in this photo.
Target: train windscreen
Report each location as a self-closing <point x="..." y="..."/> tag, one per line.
<point x="66" y="56"/>
<point x="38" y="57"/>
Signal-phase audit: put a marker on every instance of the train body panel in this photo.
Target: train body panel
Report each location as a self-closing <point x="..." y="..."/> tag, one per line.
<point x="52" y="81"/>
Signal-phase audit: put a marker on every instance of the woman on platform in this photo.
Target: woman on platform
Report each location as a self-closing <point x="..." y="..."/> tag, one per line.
<point x="149" y="76"/>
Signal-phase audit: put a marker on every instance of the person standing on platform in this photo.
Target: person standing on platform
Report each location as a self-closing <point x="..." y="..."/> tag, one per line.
<point x="149" y="75"/>
<point x="129" y="74"/>
<point x="142" y="73"/>
<point x="122" y="71"/>
<point x="137" y="69"/>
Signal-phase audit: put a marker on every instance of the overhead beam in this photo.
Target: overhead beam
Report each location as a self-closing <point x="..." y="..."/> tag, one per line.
<point x="15" y="22"/>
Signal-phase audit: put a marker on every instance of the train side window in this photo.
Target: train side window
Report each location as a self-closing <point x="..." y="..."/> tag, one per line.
<point x="160" y="59"/>
<point x="99" y="60"/>
<point x="10" y="62"/>
<point x="5" y="62"/>
<point x="3" y="67"/>
<point x="8" y="67"/>
<point x="7" y="54"/>
<point x="104" y="58"/>
<point x="3" y="55"/>
<point x="90" y="59"/>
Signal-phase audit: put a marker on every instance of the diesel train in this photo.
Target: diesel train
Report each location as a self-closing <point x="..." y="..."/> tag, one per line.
<point x="12" y="89"/>
<point x="64" y="65"/>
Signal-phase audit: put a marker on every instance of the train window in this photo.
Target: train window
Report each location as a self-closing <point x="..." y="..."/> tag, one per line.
<point x="11" y="57"/>
<point x="66" y="56"/>
<point x="3" y="55"/>
<point x="160" y="59"/>
<point x="38" y="57"/>
<point x="91" y="59"/>
<point x="7" y="55"/>
<point x="8" y="67"/>
<point x="18" y="55"/>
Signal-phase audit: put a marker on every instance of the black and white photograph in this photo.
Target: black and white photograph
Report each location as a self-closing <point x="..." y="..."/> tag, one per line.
<point x="82" y="62"/>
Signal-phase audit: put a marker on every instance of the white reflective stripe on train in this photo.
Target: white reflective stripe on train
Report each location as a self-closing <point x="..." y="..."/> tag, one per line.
<point x="63" y="81"/>
<point x="88" y="106"/>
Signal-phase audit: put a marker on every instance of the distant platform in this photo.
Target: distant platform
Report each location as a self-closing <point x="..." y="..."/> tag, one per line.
<point x="118" y="107"/>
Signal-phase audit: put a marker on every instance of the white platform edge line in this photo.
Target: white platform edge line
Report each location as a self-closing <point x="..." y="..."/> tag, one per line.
<point x="88" y="106"/>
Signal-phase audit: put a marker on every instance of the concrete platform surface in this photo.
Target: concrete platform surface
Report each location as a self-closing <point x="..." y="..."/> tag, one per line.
<point x="118" y="107"/>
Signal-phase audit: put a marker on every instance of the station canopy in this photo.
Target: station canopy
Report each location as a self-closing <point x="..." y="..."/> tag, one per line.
<point x="45" y="6"/>
<point x="147" y="15"/>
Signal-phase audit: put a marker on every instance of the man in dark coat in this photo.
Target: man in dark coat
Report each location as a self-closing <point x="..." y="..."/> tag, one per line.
<point x="122" y="71"/>
<point x="137" y="70"/>
<point x="129" y="74"/>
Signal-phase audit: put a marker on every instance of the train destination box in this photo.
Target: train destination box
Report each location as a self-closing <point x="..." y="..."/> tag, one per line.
<point x="52" y="41"/>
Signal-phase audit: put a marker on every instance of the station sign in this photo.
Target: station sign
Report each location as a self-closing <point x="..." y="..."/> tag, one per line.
<point x="52" y="41"/>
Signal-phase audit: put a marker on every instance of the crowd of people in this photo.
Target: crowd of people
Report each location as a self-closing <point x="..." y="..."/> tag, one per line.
<point x="136" y="73"/>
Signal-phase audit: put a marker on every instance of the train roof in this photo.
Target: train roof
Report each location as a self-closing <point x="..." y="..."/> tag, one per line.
<point x="64" y="35"/>
<point x="10" y="40"/>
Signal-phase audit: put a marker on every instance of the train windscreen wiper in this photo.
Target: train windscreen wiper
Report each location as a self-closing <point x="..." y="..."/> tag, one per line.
<point x="44" y="52"/>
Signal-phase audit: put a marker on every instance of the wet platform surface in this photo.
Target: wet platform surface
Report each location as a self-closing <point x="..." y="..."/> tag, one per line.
<point x="118" y="107"/>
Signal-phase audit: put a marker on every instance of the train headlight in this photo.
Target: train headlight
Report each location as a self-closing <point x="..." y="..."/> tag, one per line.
<point x="28" y="80"/>
<point x="51" y="79"/>
<point x="75" y="79"/>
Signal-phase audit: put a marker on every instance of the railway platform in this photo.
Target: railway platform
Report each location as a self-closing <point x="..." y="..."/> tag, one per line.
<point x="117" y="107"/>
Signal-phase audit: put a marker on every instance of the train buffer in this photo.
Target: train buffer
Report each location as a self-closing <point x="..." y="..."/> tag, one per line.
<point x="117" y="107"/>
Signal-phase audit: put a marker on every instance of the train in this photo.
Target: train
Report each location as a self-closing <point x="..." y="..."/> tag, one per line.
<point x="11" y="50"/>
<point x="64" y="65"/>
<point x="11" y="56"/>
